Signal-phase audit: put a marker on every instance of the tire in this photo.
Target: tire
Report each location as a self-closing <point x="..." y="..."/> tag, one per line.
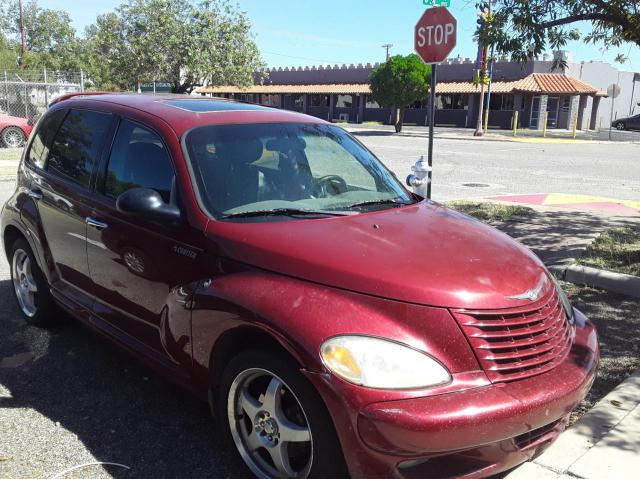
<point x="282" y="403"/>
<point x="620" y="126"/>
<point x="30" y="287"/>
<point x="13" y="137"/>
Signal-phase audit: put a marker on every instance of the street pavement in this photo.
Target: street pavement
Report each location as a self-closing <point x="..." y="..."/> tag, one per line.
<point x="468" y="168"/>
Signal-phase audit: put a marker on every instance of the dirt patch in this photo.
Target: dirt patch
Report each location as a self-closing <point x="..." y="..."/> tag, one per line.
<point x="617" y="319"/>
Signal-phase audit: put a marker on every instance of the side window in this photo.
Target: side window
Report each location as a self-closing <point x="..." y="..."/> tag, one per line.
<point x="77" y="145"/>
<point x="138" y="159"/>
<point x="39" y="148"/>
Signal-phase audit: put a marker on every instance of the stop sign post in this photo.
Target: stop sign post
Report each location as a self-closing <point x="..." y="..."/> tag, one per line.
<point x="435" y="38"/>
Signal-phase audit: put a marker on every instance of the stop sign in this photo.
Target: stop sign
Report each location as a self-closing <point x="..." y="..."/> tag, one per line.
<point x="435" y="35"/>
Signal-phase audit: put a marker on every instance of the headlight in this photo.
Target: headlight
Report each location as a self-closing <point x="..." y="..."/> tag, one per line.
<point x="378" y="363"/>
<point x="566" y="304"/>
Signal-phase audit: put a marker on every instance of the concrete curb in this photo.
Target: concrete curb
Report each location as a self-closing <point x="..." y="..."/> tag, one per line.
<point x="488" y="137"/>
<point x="608" y="280"/>
<point x="587" y="448"/>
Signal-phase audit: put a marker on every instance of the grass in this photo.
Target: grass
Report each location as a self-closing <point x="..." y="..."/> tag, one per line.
<point x="489" y="212"/>
<point x="10" y="154"/>
<point x="617" y="249"/>
<point x="618" y="323"/>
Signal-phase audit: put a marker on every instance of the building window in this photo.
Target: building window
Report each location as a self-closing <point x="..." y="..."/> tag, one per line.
<point x="501" y="102"/>
<point x="455" y="101"/>
<point x="566" y="103"/>
<point x="344" y="101"/>
<point x="320" y="100"/>
<point x="270" y="100"/>
<point x="370" y="103"/>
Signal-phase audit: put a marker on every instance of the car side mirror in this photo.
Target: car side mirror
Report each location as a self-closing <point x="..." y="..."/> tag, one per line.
<point x="147" y="203"/>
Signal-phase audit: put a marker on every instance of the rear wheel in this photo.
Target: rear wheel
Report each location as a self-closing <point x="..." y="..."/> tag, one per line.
<point x="620" y="126"/>
<point x="277" y="420"/>
<point x="30" y="287"/>
<point x="13" y="137"/>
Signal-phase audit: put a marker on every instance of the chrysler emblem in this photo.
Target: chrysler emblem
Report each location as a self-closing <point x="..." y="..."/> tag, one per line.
<point x="532" y="294"/>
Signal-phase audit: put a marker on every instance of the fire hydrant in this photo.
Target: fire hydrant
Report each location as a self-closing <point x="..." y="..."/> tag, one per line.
<point x="419" y="179"/>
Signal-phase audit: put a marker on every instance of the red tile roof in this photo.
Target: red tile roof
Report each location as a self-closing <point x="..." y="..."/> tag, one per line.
<point x="535" y="83"/>
<point x="554" y="83"/>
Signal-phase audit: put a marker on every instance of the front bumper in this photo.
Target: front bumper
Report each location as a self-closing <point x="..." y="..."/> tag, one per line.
<point x="476" y="432"/>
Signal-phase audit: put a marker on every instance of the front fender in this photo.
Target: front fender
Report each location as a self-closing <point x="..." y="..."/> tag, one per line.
<point x="301" y="315"/>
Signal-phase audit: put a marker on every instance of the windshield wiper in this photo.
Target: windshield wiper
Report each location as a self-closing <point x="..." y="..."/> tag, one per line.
<point x="379" y="202"/>
<point x="287" y="212"/>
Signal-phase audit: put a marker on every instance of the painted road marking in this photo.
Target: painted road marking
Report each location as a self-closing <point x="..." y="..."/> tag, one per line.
<point x="577" y="202"/>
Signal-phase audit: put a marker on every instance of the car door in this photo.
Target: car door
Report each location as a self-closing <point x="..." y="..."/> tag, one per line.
<point x="136" y="264"/>
<point x="63" y="189"/>
<point x="634" y="123"/>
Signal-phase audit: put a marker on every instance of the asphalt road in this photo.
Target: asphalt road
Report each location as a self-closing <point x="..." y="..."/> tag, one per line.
<point x="598" y="169"/>
<point x="68" y="397"/>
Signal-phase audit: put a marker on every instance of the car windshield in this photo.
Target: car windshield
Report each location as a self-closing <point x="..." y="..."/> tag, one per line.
<point x="288" y="170"/>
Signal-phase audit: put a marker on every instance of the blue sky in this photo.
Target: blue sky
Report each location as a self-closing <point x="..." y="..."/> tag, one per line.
<point x="313" y="32"/>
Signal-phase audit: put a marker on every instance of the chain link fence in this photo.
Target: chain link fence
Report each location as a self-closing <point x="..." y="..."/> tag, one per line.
<point x="27" y="93"/>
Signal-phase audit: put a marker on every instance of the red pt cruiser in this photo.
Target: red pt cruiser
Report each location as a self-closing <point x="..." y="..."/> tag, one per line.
<point x="266" y="260"/>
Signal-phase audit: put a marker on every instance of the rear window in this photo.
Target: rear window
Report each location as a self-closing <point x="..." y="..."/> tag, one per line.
<point x="47" y="127"/>
<point x="77" y="145"/>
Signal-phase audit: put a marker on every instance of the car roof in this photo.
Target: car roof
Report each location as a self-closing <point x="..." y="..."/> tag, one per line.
<point x="184" y="112"/>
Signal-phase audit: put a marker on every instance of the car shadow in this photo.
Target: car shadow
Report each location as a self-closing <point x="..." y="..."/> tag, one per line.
<point x="119" y="410"/>
<point x="559" y="236"/>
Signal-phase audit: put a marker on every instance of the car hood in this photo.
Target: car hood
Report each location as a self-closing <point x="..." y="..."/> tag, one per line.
<point x="423" y="253"/>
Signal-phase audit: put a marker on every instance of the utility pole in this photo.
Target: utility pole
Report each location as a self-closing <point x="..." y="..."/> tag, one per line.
<point x="387" y="47"/>
<point x="23" y="36"/>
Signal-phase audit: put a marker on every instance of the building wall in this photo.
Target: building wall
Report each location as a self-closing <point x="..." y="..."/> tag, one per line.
<point x="601" y="75"/>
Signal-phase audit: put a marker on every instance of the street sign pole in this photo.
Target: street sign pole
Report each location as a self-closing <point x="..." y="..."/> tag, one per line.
<point x="432" y="120"/>
<point x="435" y="38"/>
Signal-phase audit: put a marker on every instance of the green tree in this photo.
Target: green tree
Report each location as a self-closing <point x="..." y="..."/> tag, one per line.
<point x="525" y="28"/>
<point x="51" y="41"/>
<point x="179" y="41"/>
<point x="399" y="82"/>
<point x="8" y="54"/>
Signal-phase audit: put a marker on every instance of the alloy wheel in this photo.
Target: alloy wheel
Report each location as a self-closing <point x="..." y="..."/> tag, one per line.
<point x="620" y="126"/>
<point x="269" y="426"/>
<point x="13" y="137"/>
<point x="24" y="283"/>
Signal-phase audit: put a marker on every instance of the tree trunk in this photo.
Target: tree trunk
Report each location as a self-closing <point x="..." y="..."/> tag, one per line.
<point x="399" y="119"/>
<point x="479" y="128"/>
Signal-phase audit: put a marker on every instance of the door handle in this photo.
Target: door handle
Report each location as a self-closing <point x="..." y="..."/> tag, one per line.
<point x="35" y="194"/>
<point x="95" y="223"/>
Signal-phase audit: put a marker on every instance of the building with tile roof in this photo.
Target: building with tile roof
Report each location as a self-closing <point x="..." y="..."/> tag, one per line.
<point x="343" y="93"/>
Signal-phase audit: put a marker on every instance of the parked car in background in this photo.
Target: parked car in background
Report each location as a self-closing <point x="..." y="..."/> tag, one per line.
<point x="14" y="131"/>
<point x="630" y="123"/>
<point x="337" y="323"/>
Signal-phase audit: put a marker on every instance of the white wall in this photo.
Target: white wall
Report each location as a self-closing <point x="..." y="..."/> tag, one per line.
<point x="601" y="75"/>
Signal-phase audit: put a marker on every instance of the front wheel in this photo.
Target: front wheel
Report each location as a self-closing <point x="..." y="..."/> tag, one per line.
<point x="13" y="137"/>
<point x="620" y="126"/>
<point x="277" y="420"/>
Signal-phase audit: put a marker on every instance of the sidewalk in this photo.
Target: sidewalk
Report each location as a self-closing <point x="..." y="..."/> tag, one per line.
<point x="524" y="135"/>
<point x="604" y="444"/>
